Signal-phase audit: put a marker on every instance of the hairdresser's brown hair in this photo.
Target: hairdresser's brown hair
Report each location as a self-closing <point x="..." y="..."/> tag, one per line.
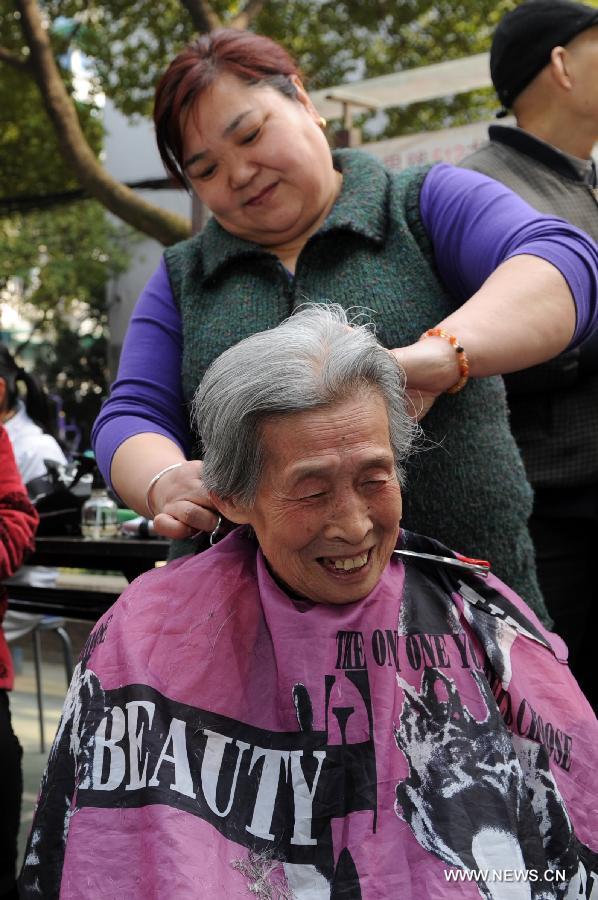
<point x="252" y="58"/>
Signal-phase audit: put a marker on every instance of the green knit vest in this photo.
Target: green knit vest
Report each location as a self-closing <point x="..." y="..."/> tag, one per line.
<point x="466" y="485"/>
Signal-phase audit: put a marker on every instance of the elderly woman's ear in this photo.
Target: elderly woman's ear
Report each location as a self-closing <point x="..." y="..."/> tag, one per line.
<point x="232" y="510"/>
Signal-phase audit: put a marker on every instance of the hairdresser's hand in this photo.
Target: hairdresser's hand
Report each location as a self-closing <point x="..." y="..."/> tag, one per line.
<point x="431" y="368"/>
<point x="181" y="503"/>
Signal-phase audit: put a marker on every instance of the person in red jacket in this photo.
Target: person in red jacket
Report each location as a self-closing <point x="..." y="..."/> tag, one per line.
<point x="18" y="521"/>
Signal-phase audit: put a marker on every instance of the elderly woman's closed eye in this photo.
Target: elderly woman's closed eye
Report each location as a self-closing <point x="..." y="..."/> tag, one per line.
<point x="304" y="431"/>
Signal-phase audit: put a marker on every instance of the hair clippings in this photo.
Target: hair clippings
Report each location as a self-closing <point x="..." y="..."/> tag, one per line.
<point x="462" y="359"/>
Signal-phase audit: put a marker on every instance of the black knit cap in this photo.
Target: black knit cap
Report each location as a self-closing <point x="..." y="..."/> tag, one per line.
<point x="525" y="37"/>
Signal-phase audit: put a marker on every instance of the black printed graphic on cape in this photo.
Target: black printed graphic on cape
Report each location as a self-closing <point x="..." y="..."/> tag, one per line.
<point x="44" y="856"/>
<point x="470" y="800"/>
<point x="273" y="792"/>
<point x="496" y="622"/>
<point x="426" y="578"/>
<point x="563" y="849"/>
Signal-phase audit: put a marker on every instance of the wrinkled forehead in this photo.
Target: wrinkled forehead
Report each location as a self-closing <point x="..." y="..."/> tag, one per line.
<point x="330" y="439"/>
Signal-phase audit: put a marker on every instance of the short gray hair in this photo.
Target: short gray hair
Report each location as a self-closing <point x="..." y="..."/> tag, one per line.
<point x="310" y="360"/>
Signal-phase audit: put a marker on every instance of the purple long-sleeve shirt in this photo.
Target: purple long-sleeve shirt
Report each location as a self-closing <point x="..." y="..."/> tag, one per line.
<point x="474" y="224"/>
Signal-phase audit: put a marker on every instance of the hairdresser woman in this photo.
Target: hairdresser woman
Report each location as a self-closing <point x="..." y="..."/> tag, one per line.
<point x="424" y="249"/>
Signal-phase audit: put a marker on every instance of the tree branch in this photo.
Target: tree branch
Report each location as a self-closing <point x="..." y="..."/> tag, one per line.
<point x="249" y="12"/>
<point x="66" y="39"/>
<point x="17" y="62"/>
<point x="202" y="15"/>
<point x="38" y="327"/>
<point x="164" y="226"/>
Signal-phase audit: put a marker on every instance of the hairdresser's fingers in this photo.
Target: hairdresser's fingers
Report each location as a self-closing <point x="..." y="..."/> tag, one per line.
<point x="182" y="482"/>
<point x="183" y="519"/>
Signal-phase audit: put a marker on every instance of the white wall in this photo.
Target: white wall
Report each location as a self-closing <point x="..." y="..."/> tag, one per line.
<point x="130" y="154"/>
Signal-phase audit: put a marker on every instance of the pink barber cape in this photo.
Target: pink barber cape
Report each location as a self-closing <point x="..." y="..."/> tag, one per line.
<point x="221" y="739"/>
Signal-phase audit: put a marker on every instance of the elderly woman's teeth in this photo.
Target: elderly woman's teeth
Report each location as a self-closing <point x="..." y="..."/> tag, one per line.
<point x="355" y="562"/>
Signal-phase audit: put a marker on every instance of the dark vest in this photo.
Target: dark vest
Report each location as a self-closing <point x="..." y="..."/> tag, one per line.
<point x="554" y="406"/>
<point x="466" y="485"/>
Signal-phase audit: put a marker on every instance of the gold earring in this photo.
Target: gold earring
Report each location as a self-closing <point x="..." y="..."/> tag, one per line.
<point x="322" y="123"/>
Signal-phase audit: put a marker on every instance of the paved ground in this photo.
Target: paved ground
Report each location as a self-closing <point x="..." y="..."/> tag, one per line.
<point x="23" y="705"/>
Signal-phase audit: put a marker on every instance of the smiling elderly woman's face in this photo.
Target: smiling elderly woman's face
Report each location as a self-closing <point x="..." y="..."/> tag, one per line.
<point x="328" y="505"/>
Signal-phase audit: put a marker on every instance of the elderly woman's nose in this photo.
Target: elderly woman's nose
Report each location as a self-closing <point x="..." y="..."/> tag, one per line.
<point x="350" y="520"/>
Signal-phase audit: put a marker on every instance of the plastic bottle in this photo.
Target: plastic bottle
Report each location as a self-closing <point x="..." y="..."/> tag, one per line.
<point x="99" y="518"/>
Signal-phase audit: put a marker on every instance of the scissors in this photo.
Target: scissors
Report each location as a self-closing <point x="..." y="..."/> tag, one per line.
<point x="479" y="566"/>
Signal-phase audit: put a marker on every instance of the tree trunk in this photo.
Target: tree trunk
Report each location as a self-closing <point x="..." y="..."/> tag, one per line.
<point x="250" y="11"/>
<point x="165" y="227"/>
<point x="202" y="15"/>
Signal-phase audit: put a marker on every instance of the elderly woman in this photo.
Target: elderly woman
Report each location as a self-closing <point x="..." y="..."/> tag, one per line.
<point x="428" y="248"/>
<point x="303" y="711"/>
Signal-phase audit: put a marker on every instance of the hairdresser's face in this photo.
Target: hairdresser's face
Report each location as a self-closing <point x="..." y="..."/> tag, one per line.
<point x="328" y="505"/>
<point x="259" y="161"/>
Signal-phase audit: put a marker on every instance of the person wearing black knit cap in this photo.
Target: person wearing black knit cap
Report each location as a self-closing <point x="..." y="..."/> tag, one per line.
<point x="544" y="67"/>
